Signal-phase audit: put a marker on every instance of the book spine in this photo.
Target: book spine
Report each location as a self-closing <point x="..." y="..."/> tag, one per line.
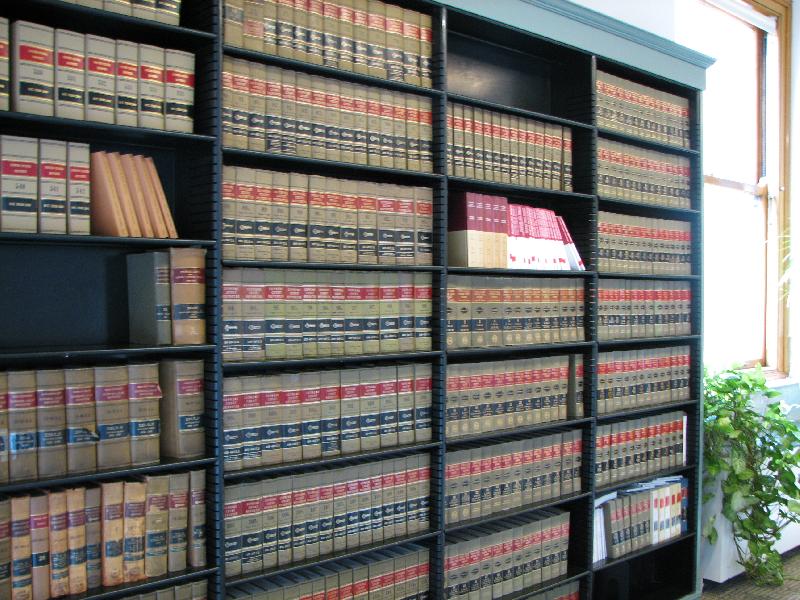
<point x="100" y="79"/>
<point x="113" y="420"/>
<point x="19" y="185"/>
<point x="151" y="87"/>
<point x="112" y="533"/>
<point x="33" y="71"/>
<point x="133" y="545"/>
<point x="94" y="537"/>
<point x="76" y="540"/>
<point x="168" y="11"/>
<point x="21" y="550"/>
<point x="156" y="525"/>
<point x="178" y="521"/>
<point x="4" y="65"/>
<point x="51" y="423"/>
<point x="78" y="189"/>
<point x="183" y="433"/>
<point x="126" y="105"/>
<point x="144" y="396"/>
<point x="179" y="91"/>
<point x="5" y="548"/>
<point x="187" y="287"/>
<point x="70" y="83"/>
<point x="40" y="547"/>
<point x="197" y="519"/>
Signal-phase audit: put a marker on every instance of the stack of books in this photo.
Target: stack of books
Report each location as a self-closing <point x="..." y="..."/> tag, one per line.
<point x="491" y="146"/>
<point x="273" y="419"/>
<point x="163" y="11"/>
<point x="491" y="396"/>
<point x="70" y="541"/>
<point x="629" y="244"/>
<point x="266" y="108"/>
<point x="275" y="314"/>
<point x="197" y="590"/>
<point x="493" y="311"/>
<point x="485" y="480"/>
<point x="641" y="309"/>
<point x="630" y="379"/>
<point x="639" y="516"/>
<point x="505" y="558"/>
<point x="632" y="449"/>
<point x="400" y="572"/>
<point x="61" y="73"/>
<point x="300" y="517"/>
<point x="274" y="216"/>
<point x="636" y="109"/>
<point x="634" y="174"/>
<point x="375" y="38"/>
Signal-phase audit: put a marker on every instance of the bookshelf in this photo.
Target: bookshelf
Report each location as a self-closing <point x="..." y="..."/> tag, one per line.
<point x="68" y="305"/>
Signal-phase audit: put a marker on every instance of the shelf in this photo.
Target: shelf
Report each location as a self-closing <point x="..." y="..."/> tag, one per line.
<point x="510" y="188"/>
<point x="327" y="462"/>
<point x="328" y="266"/>
<point x="602" y="275"/>
<point x="503" y="350"/>
<point x="241" y="367"/>
<point x="635" y="140"/>
<point x="263" y="159"/>
<point x="127" y="590"/>
<point x="645" y="410"/>
<point x="290" y="63"/>
<point x="518" y="111"/>
<point x="610" y="562"/>
<point x="573" y="574"/>
<point x="106" y="474"/>
<point x="323" y="560"/>
<point x="514" y="512"/>
<point x="98" y="352"/>
<point x="528" y="429"/>
<point x="97" y="240"/>
<point x="518" y="272"/>
<point x="93" y="131"/>
<point x="667" y="339"/>
<point x="655" y="210"/>
<point x="618" y="485"/>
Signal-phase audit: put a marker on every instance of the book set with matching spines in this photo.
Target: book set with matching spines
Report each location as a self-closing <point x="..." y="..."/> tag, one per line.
<point x="55" y="422"/>
<point x="630" y="173"/>
<point x="401" y="572"/>
<point x="628" y="309"/>
<point x="369" y="37"/>
<point x="642" y="515"/>
<point x="275" y="216"/>
<point x="635" y="448"/>
<point x="628" y="244"/>
<point x="484" y="480"/>
<point x="635" y="109"/>
<point x="497" y="560"/>
<point x="485" y="312"/>
<point x="630" y="379"/>
<point x="492" y="146"/>
<point x="272" y="314"/>
<point x="501" y="395"/>
<point x="67" y="541"/>
<point x="266" y="108"/>
<point x="65" y="74"/>
<point x="568" y="591"/>
<point x="163" y="11"/>
<point x="275" y="419"/>
<point x="45" y="186"/>
<point x="488" y="231"/>
<point x="285" y="520"/>
<point x="167" y="297"/>
<point x="196" y="590"/>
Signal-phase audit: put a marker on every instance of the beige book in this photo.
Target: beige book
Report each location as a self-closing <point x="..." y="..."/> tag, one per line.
<point x="100" y="79"/>
<point x="4" y="437"/>
<point x="137" y="196"/>
<point x="113" y="417"/>
<point x="107" y="216"/>
<point x="20" y="183"/>
<point x="4" y="78"/>
<point x="94" y="537"/>
<point x="126" y="96"/>
<point x="179" y="91"/>
<point x="135" y="495"/>
<point x="112" y="527"/>
<point x="50" y="423"/>
<point x="151" y="86"/>
<point x="196" y="554"/>
<point x="32" y="72"/>
<point x="183" y="434"/>
<point x="187" y="282"/>
<point x="144" y="396"/>
<point x="21" y="553"/>
<point x="70" y="88"/>
<point x="123" y="194"/>
<point x="150" y="199"/>
<point x="40" y="547"/>
<point x="22" y="463"/>
<point x="178" y="521"/>
<point x="5" y="548"/>
<point x="156" y="525"/>
<point x="78" y="189"/>
<point x="76" y="539"/>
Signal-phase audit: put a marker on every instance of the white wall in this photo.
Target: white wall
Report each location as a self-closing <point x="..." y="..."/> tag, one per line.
<point x="655" y="16"/>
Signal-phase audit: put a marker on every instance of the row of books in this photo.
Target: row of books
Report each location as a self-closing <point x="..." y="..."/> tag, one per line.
<point x="636" y="109"/>
<point x="197" y="590"/>
<point x="628" y="244"/>
<point x="639" y="516"/>
<point x="274" y="216"/>
<point x="496" y="311"/>
<point x="291" y="314"/>
<point x="400" y="572"/>
<point x="167" y="297"/>
<point x="290" y="112"/>
<point x="45" y="185"/>
<point x="629" y="379"/>
<point x="492" y="146"/>
<point x="163" y="11"/>
<point x="274" y="419"/>
<point x="364" y="36"/>
<point x="128" y="199"/>
<point x="643" y="176"/>
<point x="78" y="420"/>
<point x="485" y="480"/>
<point x="300" y="517"/>
<point x="68" y="541"/>
<point x="635" y="309"/>
<point x="62" y="73"/>
<point x="488" y="231"/>
<point x="569" y="591"/>
<point x="491" y="396"/>
<point x="506" y="558"/>
<point x="634" y="448"/>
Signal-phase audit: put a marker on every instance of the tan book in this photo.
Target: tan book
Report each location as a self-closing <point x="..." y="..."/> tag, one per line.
<point x="19" y="182"/>
<point x="179" y="91"/>
<point x="150" y="198"/>
<point x="22" y="460"/>
<point x="113" y="420"/>
<point x="70" y="82"/>
<point x="126" y="95"/>
<point x="94" y="537"/>
<point x="40" y="547"/>
<point x="32" y="72"/>
<point x="122" y="7"/>
<point x="188" y="293"/>
<point x="253" y="26"/>
<point x="76" y="539"/>
<point x="100" y="79"/>
<point x="151" y="86"/>
<point x="137" y="196"/>
<point x="257" y="109"/>
<point x="196" y="554"/>
<point x="144" y="397"/>
<point x="156" y="525"/>
<point x="21" y="554"/>
<point x="106" y="209"/>
<point x="168" y="11"/>
<point x="298" y="217"/>
<point x="59" y="551"/>
<point x="133" y="531"/>
<point x="112" y="527"/>
<point x="51" y="423"/>
<point x="166" y="215"/>
<point x="5" y="548"/>
<point x="178" y="521"/>
<point x="124" y="195"/>
<point x="144" y="9"/>
<point x="182" y="407"/>
<point x="78" y="189"/>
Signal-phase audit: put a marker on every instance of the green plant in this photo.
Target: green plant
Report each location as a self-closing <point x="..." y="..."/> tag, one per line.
<point x="754" y="453"/>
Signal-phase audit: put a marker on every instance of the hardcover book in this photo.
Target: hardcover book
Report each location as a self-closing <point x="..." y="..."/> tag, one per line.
<point x="58" y="547"/>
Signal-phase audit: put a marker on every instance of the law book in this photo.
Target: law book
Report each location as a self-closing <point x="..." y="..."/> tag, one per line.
<point x="178" y="91"/>
<point x="423" y="386"/>
<point x="5" y="548"/>
<point x="113" y="416"/>
<point x="70" y="90"/>
<point x="151" y="87"/>
<point x="19" y="185"/>
<point x="50" y="423"/>
<point x="182" y="406"/>
<point x="78" y="189"/>
<point x="187" y="293"/>
<point x="196" y="552"/>
<point x="32" y="69"/>
<point x="4" y="66"/>
<point x="156" y="513"/>
<point x="94" y="536"/>
<point x="126" y="202"/>
<point x="233" y="22"/>
<point x="126" y="100"/>
<point x="22" y="454"/>
<point x="21" y="549"/>
<point x="40" y="547"/>
<point x="422" y="311"/>
<point x="100" y="79"/>
<point x="107" y="217"/>
<point x="133" y="544"/>
<point x="149" y="298"/>
<point x="144" y="396"/>
<point x="349" y="411"/>
<point x="178" y="521"/>
<point x="75" y="540"/>
<point x="168" y="11"/>
<point x="113" y="532"/>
